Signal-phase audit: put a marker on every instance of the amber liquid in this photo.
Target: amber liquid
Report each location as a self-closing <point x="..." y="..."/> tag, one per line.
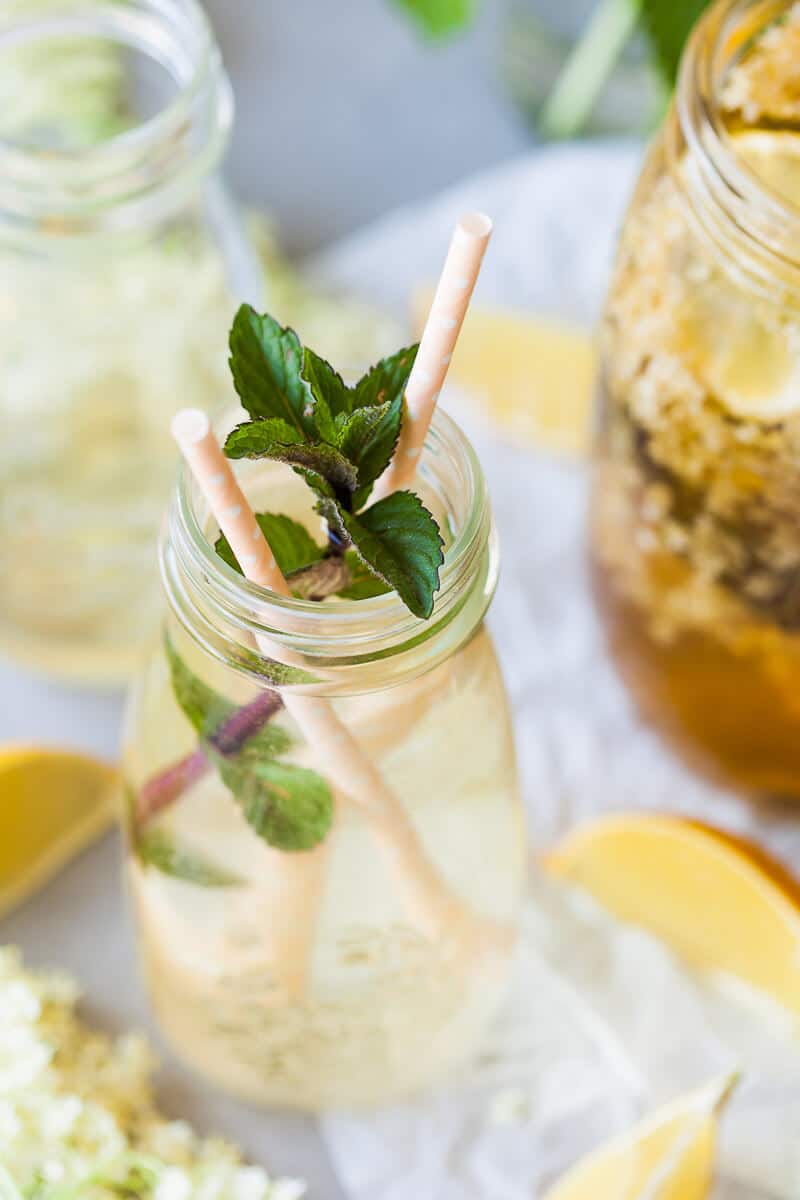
<point x="733" y="716"/>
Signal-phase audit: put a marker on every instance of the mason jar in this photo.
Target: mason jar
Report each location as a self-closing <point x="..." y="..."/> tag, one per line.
<point x="367" y="966"/>
<point x="696" y="512"/>
<point x="120" y="259"/>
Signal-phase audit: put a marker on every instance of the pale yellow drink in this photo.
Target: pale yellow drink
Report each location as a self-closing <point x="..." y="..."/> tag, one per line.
<point x="384" y="1007"/>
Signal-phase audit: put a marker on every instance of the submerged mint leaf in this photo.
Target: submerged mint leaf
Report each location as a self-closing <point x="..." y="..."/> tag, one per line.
<point x="399" y="541"/>
<point x="290" y="807"/>
<point x="290" y="542"/>
<point x="204" y="708"/>
<point x="387" y="380"/>
<point x="266" y="363"/>
<point x="156" y="848"/>
<point x="226" y="728"/>
<point x="368" y="439"/>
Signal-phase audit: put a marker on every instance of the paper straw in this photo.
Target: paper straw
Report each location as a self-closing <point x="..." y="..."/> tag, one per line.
<point x="440" y="913"/>
<point x="439" y="337"/>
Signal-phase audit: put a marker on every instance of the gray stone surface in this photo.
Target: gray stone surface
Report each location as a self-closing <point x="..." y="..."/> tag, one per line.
<point x="345" y="113"/>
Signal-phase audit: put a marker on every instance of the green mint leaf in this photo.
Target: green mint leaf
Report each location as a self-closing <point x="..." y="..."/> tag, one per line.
<point x="439" y="18"/>
<point x="255" y="439"/>
<point x="290" y="807"/>
<point x="668" y="24"/>
<point x="156" y="848"/>
<point x="290" y="542"/>
<point x="207" y="711"/>
<point x="331" y="395"/>
<point x="266" y="363"/>
<point x="387" y="380"/>
<point x="399" y="541"/>
<point x="368" y="439"/>
<point x="363" y="584"/>
<point x="204" y="708"/>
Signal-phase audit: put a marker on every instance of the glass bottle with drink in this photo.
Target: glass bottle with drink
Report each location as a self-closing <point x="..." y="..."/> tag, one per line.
<point x="695" y="517"/>
<point x="119" y="256"/>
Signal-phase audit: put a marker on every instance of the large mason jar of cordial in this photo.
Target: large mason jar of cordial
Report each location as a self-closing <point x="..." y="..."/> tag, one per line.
<point x="294" y="957"/>
<point x="119" y="259"/>
<point x="696" y="513"/>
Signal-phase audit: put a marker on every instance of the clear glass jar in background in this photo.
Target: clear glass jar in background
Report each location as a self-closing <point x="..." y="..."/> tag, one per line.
<point x="306" y="978"/>
<point x="696" y="513"/>
<point x="120" y="263"/>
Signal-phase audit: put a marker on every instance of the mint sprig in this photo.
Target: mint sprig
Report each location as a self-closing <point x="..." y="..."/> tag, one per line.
<point x="290" y="807"/>
<point x="157" y="848"/>
<point x="340" y="439"/>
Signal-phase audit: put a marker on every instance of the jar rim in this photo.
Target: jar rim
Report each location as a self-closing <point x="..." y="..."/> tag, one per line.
<point x="205" y="591"/>
<point x="748" y="222"/>
<point x="152" y="162"/>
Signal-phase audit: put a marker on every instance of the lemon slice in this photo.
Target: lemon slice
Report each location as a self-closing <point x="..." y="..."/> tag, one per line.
<point x="746" y="351"/>
<point x="532" y="376"/>
<point x="774" y="156"/>
<point x="52" y="805"/>
<point x="719" y="902"/>
<point x="669" y="1156"/>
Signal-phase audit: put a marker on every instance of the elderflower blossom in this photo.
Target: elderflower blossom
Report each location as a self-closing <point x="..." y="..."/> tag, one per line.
<point x="77" y="1117"/>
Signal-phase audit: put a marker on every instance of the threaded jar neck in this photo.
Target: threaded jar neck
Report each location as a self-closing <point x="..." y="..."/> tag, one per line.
<point x="55" y="185"/>
<point x="344" y="647"/>
<point x="753" y="230"/>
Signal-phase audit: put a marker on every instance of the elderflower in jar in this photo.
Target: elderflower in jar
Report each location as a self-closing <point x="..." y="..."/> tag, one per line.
<point x="696" y="517"/>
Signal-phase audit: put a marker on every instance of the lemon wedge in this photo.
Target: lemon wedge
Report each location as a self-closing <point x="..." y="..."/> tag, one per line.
<point x="744" y="350"/>
<point x="52" y="804"/>
<point x="669" y="1156"/>
<point x="530" y="375"/>
<point x="774" y="157"/>
<point x="719" y="902"/>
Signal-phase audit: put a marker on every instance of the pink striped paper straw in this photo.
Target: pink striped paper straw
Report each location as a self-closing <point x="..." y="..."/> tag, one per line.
<point x="450" y="304"/>
<point x="438" y="911"/>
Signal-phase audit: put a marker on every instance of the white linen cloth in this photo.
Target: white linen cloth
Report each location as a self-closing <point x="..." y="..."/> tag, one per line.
<point x="602" y="1023"/>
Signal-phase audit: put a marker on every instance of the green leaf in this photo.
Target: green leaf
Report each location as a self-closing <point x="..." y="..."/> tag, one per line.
<point x="204" y="708"/>
<point x="157" y="849"/>
<point x="331" y="395"/>
<point x="255" y="439"/>
<point x="363" y="583"/>
<point x="290" y="542"/>
<point x="207" y="711"/>
<point x="290" y="807"/>
<point x="399" y="541"/>
<point x="387" y="380"/>
<point x="258" y="438"/>
<point x="368" y="439"/>
<point x="668" y="24"/>
<point x="266" y="363"/>
<point x="439" y="18"/>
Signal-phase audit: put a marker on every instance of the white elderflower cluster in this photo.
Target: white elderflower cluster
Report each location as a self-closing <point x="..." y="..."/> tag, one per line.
<point x="77" y="1116"/>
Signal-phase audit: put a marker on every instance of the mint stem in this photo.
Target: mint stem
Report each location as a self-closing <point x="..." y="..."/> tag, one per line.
<point x="588" y="67"/>
<point x="165" y="788"/>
